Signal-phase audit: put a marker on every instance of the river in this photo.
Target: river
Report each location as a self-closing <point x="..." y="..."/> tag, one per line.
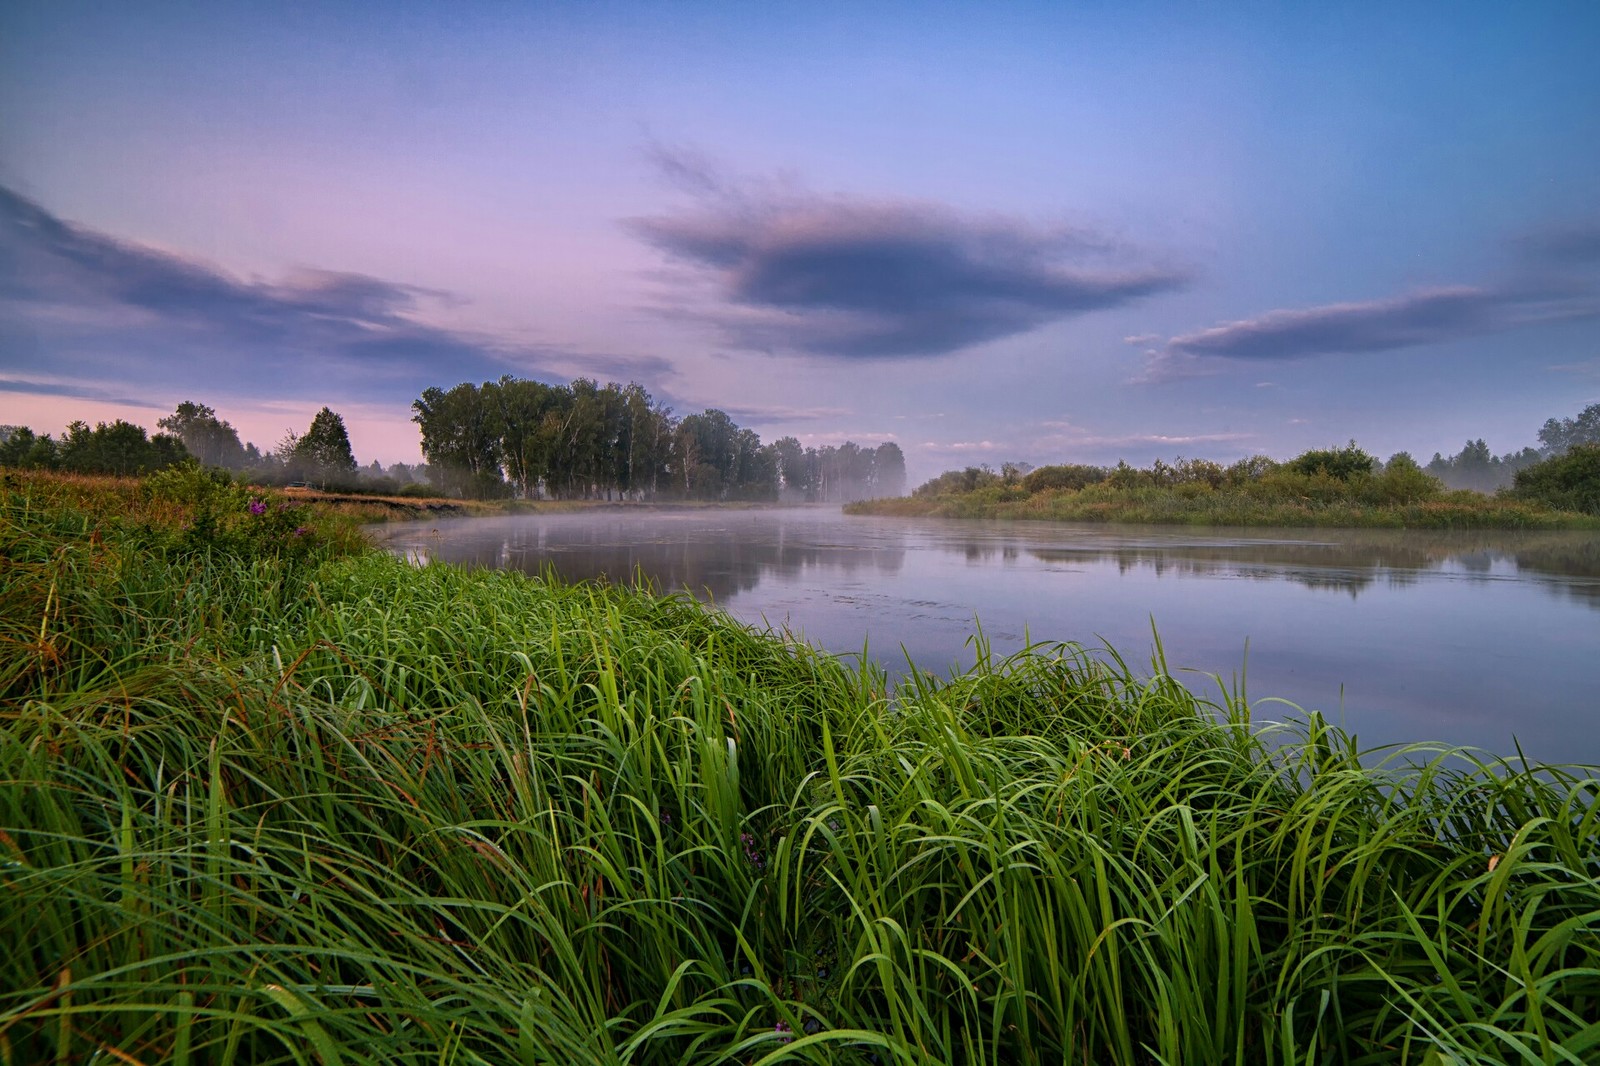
<point x="1485" y="639"/>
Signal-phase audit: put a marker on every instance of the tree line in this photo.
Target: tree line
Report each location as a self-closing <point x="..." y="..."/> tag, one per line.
<point x="517" y="437"/>
<point x="1564" y="472"/>
<point x="321" y="455"/>
<point x="1476" y="467"/>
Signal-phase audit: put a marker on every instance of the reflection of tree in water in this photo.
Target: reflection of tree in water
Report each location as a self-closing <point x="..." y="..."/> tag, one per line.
<point x="707" y="560"/>
<point x="1354" y="560"/>
<point x="1556" y="562"/>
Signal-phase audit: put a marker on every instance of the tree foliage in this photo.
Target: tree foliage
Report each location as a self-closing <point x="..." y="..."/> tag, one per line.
<point x="120" y="448"/>
<point x="1560" y="434"/>
<point x="1569" y="481"/>
<point x="587" y="440"/>
<point x="209" y="439"/>
<point x="1341" y="464"/>
<point x="322" y="454"/>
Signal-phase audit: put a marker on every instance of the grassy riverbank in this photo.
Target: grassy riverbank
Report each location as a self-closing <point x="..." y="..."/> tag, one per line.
<point x="266" y="796"/>
<point x="1342" y="487"/>
<point x="1243" y="506"/>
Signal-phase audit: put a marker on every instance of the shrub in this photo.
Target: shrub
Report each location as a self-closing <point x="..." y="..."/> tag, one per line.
<point x="1569" y="482"/>
<point x="1342" y="464"/>
<point x="1071" y="476"/>
<point x="1402" y="481"/>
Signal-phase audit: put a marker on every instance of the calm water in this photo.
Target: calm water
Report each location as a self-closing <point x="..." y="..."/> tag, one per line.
<point x="1401" y="636"/>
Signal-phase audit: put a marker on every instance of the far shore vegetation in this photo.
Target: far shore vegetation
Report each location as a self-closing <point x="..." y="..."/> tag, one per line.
<point x="1556" y="487"/>
<point x="269" y="795"/>
<point x="516" y="445"/>
<point x="511" y="439"/>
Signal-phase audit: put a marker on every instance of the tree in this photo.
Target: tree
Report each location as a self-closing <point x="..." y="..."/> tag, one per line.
<point x="460" y="440"/>
<point x="207" y="438"/>
<point x="324" y="449"/>
<point x="1560" y="434"/>
<point x="119" y="448"/>
<point x="794" y="479"/>
<point x="23" y="450"/>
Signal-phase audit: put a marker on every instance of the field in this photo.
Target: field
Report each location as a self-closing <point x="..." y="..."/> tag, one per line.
<point x="267" y="795"/>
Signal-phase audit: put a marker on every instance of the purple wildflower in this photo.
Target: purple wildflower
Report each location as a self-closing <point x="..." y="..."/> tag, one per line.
<point x="785" y="1034"/>
<point x="752" y="854"/>
<point x="258" y="506"/>
<point x="302" y="531"/>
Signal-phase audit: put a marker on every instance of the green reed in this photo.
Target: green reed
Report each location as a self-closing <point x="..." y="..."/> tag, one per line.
<point x="259" y="806"/>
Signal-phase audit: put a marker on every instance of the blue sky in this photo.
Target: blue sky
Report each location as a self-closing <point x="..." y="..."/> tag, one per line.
<point x="988" y="232"/>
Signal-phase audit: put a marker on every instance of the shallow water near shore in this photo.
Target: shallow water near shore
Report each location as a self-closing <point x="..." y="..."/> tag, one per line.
<point x="1488" y="639"/>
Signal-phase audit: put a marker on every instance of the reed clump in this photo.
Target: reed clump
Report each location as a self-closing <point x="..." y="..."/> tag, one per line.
<point x="283" y="800"/>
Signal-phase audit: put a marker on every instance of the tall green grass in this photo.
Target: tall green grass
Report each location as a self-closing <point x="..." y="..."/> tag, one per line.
<point x="323" y="806"/>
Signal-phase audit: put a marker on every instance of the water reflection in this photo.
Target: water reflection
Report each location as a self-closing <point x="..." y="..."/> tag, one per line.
<point x="714" y="555"/>
<point x="720" y="554"/>
<point x="1352" y="561"/>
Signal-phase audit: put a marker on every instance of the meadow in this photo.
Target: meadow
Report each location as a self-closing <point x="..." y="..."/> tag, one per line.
<point x="268" y="795"/>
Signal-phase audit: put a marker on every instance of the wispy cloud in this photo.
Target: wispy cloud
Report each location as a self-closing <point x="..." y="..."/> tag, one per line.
<point x="960" y="447"/>
<point x="783" y="413"/>
<point x="1380" y="325"/>
<point x="49" y="387"/>
<point x="788" y="271"/>
<point x="118" y="311"/>
<point x="1545" y="287"/>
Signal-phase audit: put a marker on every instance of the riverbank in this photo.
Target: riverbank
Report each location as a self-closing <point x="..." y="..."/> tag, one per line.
<point x="370" y="509"/>
<point x="263" y="791"/>
<point x="1189" y="505"/>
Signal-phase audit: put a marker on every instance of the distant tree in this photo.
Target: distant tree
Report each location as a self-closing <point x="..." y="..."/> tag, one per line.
<point x="794" y="476"/>
<point x="207" y="438"/>
<point x="1559" y="434"/>
<point x="119" y="448"/>
<point x="324" y="449"/>
<point x="888" y="470"/>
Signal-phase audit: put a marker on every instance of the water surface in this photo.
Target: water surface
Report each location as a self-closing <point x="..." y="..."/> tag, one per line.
<point x="1473" y="638"/>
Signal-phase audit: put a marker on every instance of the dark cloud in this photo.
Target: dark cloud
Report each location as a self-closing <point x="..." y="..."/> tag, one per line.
<point x="1546" y="285"/>
<point x="85" y="304"/>
<point x="1573" y="246"/>
<point x="1432" y="316"/>
<point x="852" y="278"/>
<point x="1379" y="325"/>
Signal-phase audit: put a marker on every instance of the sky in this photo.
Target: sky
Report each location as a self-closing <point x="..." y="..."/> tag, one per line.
<point x="988" y="232"/>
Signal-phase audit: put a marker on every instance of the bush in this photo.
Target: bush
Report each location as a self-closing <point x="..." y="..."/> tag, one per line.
<point x="1068" y="476"/>
<point x="1569" y="482"/>
<point x="1402" y="481"/>
<point x="1341" y="464"/>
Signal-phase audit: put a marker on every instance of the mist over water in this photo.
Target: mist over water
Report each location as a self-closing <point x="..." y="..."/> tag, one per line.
<point x="1482" y="638"/>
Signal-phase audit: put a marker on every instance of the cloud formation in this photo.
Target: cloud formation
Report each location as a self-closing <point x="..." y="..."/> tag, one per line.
<point x="1417" y="318"/>
<point x="1412" y="320"/>
<point x="880" y="279"/>
<point x="1571" y="246"/>
<point x="82" y="392"/>
<point x="113" y="310"/>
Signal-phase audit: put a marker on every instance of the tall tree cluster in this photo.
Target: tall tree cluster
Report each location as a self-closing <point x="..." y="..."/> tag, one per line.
<point x="119" y="448"/>
<point x="586" y="440"/>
